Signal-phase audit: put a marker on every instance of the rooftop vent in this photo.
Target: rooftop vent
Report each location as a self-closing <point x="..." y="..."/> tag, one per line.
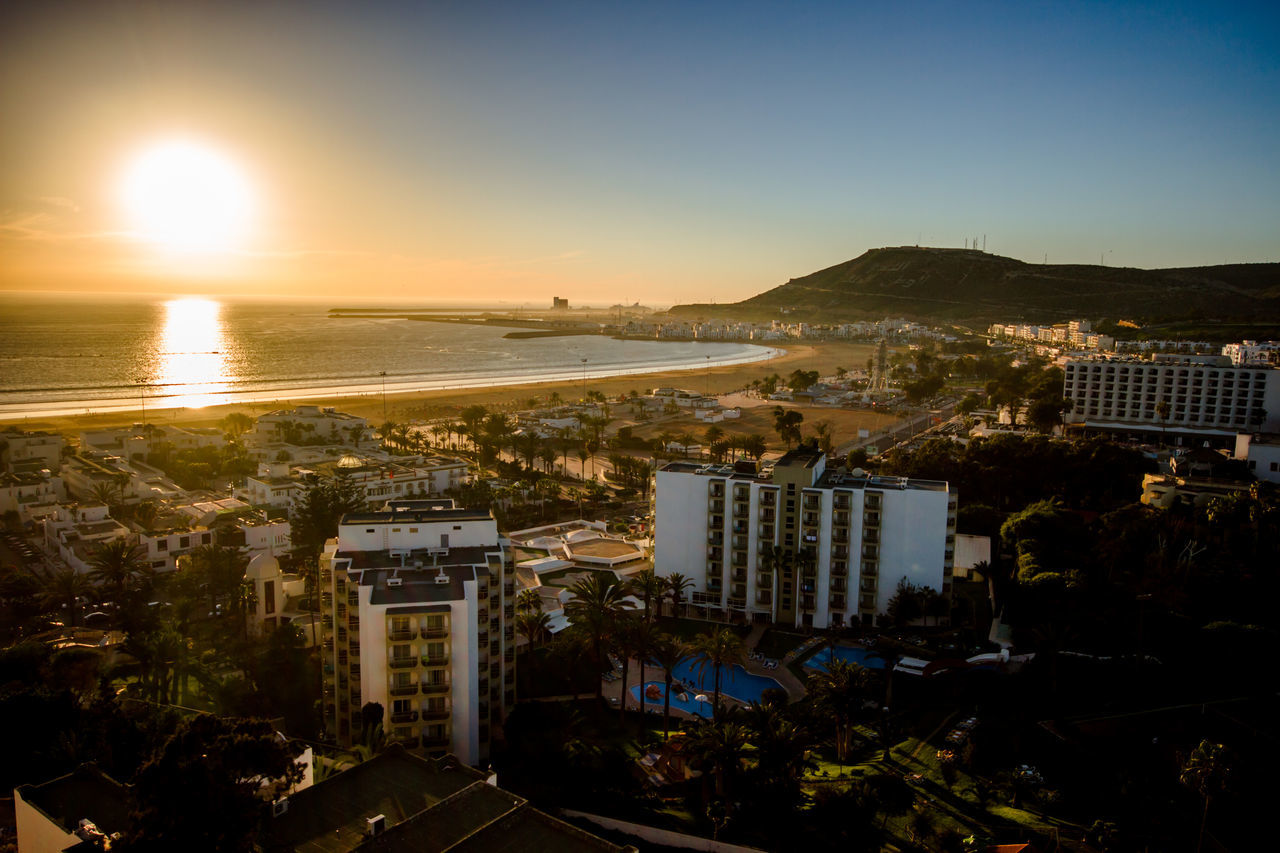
<point x="377" y="825"/>
<point x="442" y="577"/>
<point x="395" y="581"/>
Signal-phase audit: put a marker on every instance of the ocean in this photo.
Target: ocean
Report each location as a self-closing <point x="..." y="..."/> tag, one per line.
<point x="72" y="354"/>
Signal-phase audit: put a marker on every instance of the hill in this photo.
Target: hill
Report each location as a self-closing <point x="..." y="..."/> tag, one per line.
<point x="969" y="286"/>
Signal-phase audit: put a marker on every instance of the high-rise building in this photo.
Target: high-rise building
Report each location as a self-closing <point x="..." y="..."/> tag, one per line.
<point x="1203" y="397"/>
<point x="417" y="605"/>
<point x="797" y="544"/>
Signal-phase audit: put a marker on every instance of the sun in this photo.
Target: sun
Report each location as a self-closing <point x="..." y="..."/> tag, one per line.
<point x="187" y="197"/>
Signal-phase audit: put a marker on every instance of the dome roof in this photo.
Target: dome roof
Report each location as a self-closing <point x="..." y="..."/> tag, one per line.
<point x="263" y="567"/>
<point x="350" y="461"/>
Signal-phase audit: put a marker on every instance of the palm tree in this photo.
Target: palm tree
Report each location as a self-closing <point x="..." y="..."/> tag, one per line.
<point x="643" y="636"/>
<point x="528" y="601"/>
<point x="624" y="645"/>
<point x="721" y="649"/>
<point x="649" y="587"/>
<point x="1162" y="412"/>
<point x="676" y="585"/>
<point x="719" y="746"/>
<point x="533" y="625"/>
<point x="595" y="610"/>
<point x="1207" y="771"/>
<point x="116" y="565"/>
<point x="668" y="652"/>
<point x="64" y="591"/>
<point x="782" y="749"/>
<point x="840" y="693"/>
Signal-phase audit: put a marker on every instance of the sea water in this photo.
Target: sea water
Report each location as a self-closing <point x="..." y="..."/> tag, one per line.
<point x="70" y="354"/>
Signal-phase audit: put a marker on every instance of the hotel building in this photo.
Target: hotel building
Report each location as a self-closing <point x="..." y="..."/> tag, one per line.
<point x="1207" y="396"/>
<point x="796" y="544"/>
<point x="417" y="605"/>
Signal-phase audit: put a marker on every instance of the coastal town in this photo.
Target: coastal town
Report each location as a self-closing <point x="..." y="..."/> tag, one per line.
<point x="682" y="566"/>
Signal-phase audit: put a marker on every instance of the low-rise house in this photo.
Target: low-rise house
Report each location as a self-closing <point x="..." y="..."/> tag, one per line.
<point x="75" y="531"/>
<point x="22" y="446"/>
<point x="20" y="492"/>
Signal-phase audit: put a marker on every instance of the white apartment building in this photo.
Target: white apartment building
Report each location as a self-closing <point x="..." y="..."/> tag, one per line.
<point x="1261" y="453"/>
<point x="417" y="606"/>
<point x="1253" y="352"/>
<point x="1207" y="397"/>
<point x="797" y="544"/>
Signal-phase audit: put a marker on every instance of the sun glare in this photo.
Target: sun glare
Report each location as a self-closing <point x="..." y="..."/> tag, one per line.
<point x="187" y="197"/>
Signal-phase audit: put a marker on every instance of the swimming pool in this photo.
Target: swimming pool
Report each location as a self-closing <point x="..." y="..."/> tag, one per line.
<point x="690" y="705"/>
<point x="851" y="654"/>
<point x="735" y="681"/>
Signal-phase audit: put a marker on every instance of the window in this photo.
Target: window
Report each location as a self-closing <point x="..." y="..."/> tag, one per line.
<point x="269" y="597"/>
<point x="162" y="545"/>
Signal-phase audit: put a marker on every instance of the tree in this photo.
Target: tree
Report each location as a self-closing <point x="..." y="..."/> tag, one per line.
<point x="1162" y="412"/>
<point x="840" y="693"/>
<point x="528" y="601"/>
<point x="650" y="588"/>
<point x="718" y="746"/>
<point x="668" y="652"/>
<point x="316" y="514"/>
<point x="786" y="422"/>
<point x="676" y="585"/>
<point x="533" y="625"/>
<point x="905" y="605"/>
<point x="718" y="650"/>
<point x="203" y="789"/>
<point x="116" y="565"/>
<point x="594" y="611"/>
<point x="64" y="591"/>
<point x="1207" y="772"/>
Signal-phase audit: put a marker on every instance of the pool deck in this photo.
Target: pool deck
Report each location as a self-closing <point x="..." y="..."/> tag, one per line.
<point x="616" y="691"/>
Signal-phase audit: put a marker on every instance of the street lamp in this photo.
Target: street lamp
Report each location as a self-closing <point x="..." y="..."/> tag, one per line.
<point x="383" y="375"/>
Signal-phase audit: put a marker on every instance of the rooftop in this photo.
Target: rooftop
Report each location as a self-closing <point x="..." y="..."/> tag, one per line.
<point x="84" y="793"/>
<point x="429" y="805"/>
<point x="829" y="479"/>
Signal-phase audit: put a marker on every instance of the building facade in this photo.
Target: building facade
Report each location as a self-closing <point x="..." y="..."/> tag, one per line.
<point x="1204" y="395"/>
<point x="417" y="606"/>
<point x="797" y="544"/>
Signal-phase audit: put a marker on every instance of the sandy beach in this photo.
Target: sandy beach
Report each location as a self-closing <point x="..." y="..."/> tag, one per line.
<point x="824" y="357"/>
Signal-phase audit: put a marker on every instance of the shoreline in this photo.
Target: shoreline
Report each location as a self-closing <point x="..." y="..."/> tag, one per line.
<point x="403" y="405"/>
<point x="225" y="399"/>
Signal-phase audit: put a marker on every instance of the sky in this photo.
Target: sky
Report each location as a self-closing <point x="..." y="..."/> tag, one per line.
<point x="438" y="152"/>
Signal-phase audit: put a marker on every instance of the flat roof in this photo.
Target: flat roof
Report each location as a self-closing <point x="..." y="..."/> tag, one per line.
<point x="407" y="516"/>
<point x="85" y="792"/>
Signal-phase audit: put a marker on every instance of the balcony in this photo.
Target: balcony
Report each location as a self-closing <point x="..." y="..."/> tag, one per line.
<point x="716" y="537"/>
<point x="435" y="660"/>
<point x="768" y="498"/>
<point x="840" y="518"/>
<point x="765" y="598"/>
<point x="838" y="584"/>
<point x="841" y="502"/>
<point x="764" y="579"/>
<point x="409" y="690"/>
<point x="715" y="505"/>
<point x="404" y="718"/>
<point x="739" y="559"/>
<point x="806" y="602"/>
<point x="434" y="632"/>
<point x="403" y="663"/>
<point x="738" y="590"/>
<point x="355" y="651"/>
<point x="812" y="502"/>
<point x="768" y="515"/>
<point x="437" y="714"/>
<point x="870" y="535"/>
<point x="809" y="519"/>
<point x="354" y="622"/>
<point x="435" y="689"/>
<point x="868" y="602"/>
<point x="353" y="598"/>
<point x="716" y="490"/>
<point x="741" y="507"/>
<point x="837" y="602"/>
<point x="738" y="576"/>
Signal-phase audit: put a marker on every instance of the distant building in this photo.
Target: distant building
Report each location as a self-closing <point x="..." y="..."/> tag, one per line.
<point x="418" y="603"/>
<point x="1261" y="454"/>
<point x="1208" y="398"/>
<point x="797" y="544"/>
<point x="20" y="446"/>
<point x="558" y="304"/>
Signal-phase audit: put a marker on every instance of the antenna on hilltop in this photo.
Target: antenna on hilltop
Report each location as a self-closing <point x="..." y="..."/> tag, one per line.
<point x="984" y="242"/>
